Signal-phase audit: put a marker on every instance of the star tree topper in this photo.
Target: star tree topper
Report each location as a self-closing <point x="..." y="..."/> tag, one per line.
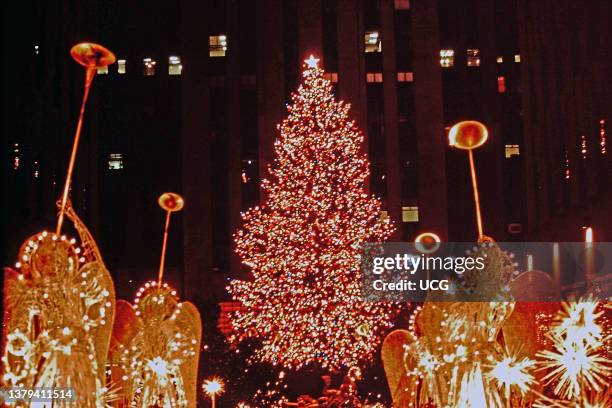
<point x="312" y="61"/>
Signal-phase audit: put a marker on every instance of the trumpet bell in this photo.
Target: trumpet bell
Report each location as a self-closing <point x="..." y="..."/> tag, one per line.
<point x="171" y="202"/>
<point x="468" y="135"/>
<point x="427" y="242"/>
<point x="92" y="55"/>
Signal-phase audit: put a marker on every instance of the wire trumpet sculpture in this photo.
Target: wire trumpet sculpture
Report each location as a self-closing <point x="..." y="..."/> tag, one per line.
<point x="156" y="341"/>
<point x="59" y="300"/>
<point x="469" y="135"/>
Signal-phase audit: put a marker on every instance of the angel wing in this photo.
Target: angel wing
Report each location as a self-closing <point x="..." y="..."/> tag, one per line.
<point x="392" y="353"/>
<point x="10" y="276"/>
<point x="520" y="330"/>
<point x="126" y="325"/>
<point x="90" y="248"/>
<point x="125" y="329"/>
<point x="157" y="340"/>
<point x="189" y="320"/>
<point x="100" y="277"/>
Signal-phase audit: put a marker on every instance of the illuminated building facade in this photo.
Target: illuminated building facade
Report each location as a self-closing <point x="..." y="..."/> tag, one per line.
<point x="193" y="102"/>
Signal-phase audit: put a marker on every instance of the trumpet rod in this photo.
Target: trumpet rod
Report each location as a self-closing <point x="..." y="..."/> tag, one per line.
<point x="476" y="195"/>
<point x="163" y="251"/>
<point x="89" y="75"/>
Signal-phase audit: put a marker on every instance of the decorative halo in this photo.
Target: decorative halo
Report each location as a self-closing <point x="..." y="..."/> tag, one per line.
<point x="171" y="202"/>
<point x="47" y="254"/>
<point x="468" y="135"/>
<point x="427" y="242"/>
<point x="92" y="54"/>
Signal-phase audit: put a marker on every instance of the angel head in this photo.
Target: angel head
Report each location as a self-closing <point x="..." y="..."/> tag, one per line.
<point x="156" y="302"/>
<point x="47" y="255"/>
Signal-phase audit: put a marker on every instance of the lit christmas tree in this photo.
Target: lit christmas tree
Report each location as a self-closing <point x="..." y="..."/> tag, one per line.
<point x="303" y="245"/>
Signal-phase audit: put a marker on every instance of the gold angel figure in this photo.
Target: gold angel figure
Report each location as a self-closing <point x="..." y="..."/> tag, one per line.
<point x="156" y="349"/>
<point x="447" y="360"/>
<point x="156" y="341"/>
<point x="462" y="353"/>
<point x="59" y="309"/>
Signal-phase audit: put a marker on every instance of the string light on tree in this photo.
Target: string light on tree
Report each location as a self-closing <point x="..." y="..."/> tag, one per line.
<point x="303" y="244"/>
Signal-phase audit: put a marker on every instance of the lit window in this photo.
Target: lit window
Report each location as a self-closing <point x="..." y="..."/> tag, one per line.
<point x="402" y="4"/>
<point x="473" y="57"/>
<point x="102" y="70"/>
<point x="447" y="58"/>
<point x="115" y="161"/>
<point x="217" y="45"/>
<point x="374" y="77"/>
<point x="517" y="58"/>
<point x="174" y="65"/>
<point x="372" y="42"/>
<point x="512" y="150"/>
<point x="16" y="159"/>
<point x="332" y="77"/>
<point x="500" y="60"/>
<point x="121" y="66"/>
<point x="405" y="77"/>
<point x="410" y="214"/>
<point x="602" y="137"/>
<point x="501" y="84"/>
<point x="149" y="66"/>
<point x="515" y="228"/>
<point x="246" y="175"/>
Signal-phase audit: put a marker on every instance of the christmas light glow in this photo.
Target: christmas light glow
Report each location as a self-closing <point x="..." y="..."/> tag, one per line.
<point x="213" y="386"/>
<point x="576" y="363"/>
<point x="303" y="245"/>
<point x="603" y="148"/>
<point x="511" y="373"/>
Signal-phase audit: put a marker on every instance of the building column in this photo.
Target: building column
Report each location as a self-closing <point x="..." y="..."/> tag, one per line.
<point x="491" y="155"/>
<point x="391" y="119"/>
<point x="270" y="80"/>
<point x="351" y="61"/>
<point x="310" y="31"/>
<point x="528" y="85"/>
<point x="196" y="152"/>
<point x="233" y="131"/>
<point x="431" y="147"/>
